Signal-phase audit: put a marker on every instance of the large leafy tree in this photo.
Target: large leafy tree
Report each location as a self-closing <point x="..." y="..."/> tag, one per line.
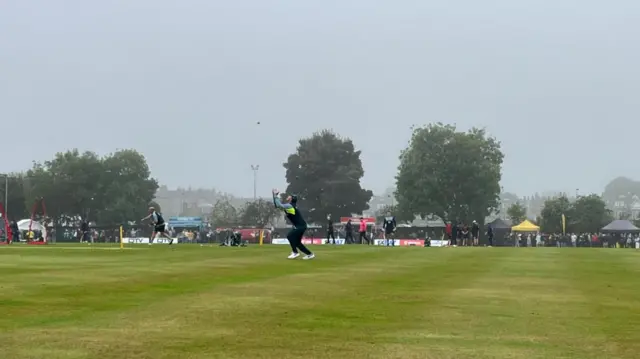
<point x="325" y="172"/>
<point x="127" y="189"/>
<point x="258" y="213"/>
<point x="586" y="215"/>
<point x="517" y="213"/>
<point x="224" y="214"/>
<point x="551" y="215"/>
<point x="590" y="214"/>
<point x="111" y="189"/>
<point x="69" y="184"/>
<point x="449" y="173"/>
<point x="16" y="207"/>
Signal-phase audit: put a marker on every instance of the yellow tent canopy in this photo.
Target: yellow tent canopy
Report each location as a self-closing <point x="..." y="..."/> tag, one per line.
<point x="525" y="226"/>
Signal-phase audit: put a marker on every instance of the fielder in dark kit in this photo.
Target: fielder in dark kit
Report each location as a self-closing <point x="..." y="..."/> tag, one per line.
<point x="299" y="225"/>
<point x="159" y="226"/>
<point x="490" y="235"/>
<point x="389" y="226"/>
<point x="330" y="232"/>
<point x="475" y="233"/>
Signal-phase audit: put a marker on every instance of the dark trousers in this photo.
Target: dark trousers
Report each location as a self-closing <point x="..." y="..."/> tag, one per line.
<point x="348" y="238"/>
<point x="295" y="240"/>
<point x="389" y="239"/>
<point x="490" y="239"/>
<point x="363" y="235"/>
<point x="331" y="235"/>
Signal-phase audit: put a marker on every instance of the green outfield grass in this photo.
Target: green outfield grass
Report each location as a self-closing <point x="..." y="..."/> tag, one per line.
<point x="62" y="302"/>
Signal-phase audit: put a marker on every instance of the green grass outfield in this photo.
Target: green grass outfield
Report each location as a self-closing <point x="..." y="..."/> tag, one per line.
<point x="64" y="302"/>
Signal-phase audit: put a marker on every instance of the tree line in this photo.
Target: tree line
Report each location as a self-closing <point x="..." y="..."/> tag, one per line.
<point x="259" y="213"/>
<point x="75" y="186"/>
<point x="587" y="214"/>
<point x="444" y="172"/>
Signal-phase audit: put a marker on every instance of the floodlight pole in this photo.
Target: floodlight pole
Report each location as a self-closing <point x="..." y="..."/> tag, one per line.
<point x="255" y="169"/>
<point x="6" y="194"/>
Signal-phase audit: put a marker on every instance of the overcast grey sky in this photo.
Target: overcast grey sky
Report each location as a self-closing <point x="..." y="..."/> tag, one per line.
<point x="185" y="82"/>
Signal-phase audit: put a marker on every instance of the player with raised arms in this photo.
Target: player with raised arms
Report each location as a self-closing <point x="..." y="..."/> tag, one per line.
<point x="159" y="225"/>
<point x="299" y="225"/>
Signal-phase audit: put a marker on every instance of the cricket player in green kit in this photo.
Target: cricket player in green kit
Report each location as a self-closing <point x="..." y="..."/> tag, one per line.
<point x="299" y="225"/>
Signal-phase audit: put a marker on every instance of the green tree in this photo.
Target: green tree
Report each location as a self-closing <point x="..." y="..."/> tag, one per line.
<point x="224" y="214"/>
<point x="551" y="215"/>
<point x="126" y="187"/>
<point x="454" y="175"/>
<point x="325" y="173"/>
<point x="69" y="184"/>
<point x="112" y="189"/>
<point x="16" y="208"/>
<point x="260" y="213"/>
<point x="590" y="213"/>
<point x="517" y="213"/>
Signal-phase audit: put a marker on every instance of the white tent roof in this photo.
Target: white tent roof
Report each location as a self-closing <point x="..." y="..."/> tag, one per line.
<point x="23" y="225"/>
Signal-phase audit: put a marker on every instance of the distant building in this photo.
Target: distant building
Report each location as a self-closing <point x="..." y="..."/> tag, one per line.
<point x="533" y="204"/>
<point x="626" y="206"/>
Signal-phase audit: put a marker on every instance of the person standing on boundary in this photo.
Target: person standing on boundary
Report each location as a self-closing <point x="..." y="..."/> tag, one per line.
<point x="389" y="226"/>
<point x="363" y="232"/>
<point x="348" y="233"/>
<point x="490" y="235"/>
<point x="475" y="233"/>
<point x="299" y="225"/>
<point x="330" y="231"/>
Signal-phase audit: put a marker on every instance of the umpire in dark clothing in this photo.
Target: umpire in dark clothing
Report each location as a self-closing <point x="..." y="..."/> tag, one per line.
<point x="348" y="233"/>
<point x="15" y="232"/>
<point x="84" y="231"/>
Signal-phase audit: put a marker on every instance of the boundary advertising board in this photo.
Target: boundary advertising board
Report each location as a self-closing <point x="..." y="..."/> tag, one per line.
<point x="141" y="240"/>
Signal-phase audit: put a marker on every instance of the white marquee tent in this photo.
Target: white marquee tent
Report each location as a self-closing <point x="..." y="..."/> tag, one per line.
<point x="23" y="225"/>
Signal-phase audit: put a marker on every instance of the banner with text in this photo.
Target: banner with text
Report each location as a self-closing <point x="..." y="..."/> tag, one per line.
<point x="438" y="243"/>
<point x="400" y="242"/>
<point x="140" y="240"/>
<point x="306" y="241"/>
